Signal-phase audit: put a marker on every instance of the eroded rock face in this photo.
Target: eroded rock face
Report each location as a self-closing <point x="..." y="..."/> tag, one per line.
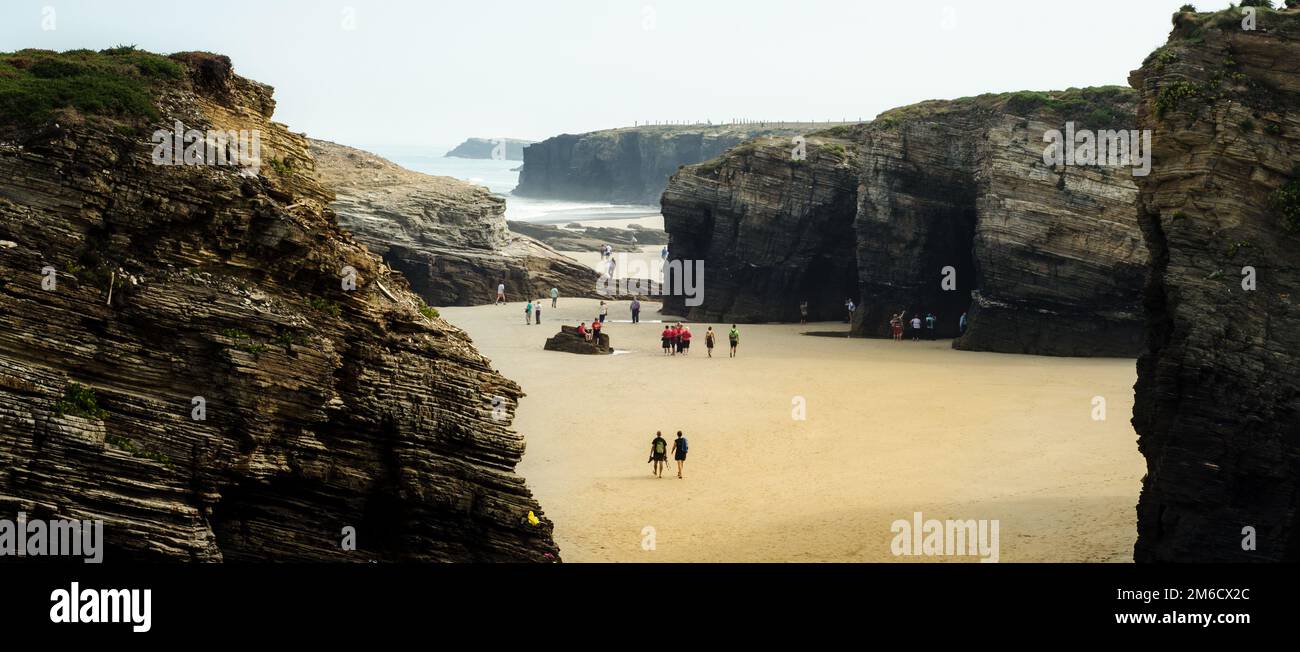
<point x="772" y="229"/>
<point x="323" y="408"/>
<point x="1046" y="259"/>
<point x="448" y="237"/>
<point x="1217" y="406"/>
<point x="630" y="165"/>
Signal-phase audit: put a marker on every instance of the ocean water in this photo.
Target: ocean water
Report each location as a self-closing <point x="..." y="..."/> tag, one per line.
<point x="501" y="178"/>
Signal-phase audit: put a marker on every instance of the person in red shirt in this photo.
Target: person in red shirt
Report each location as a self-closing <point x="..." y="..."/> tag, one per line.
<point x="595" y="331"/>
<point x="667" y="337"/>
<point x="686" y="340"/>
<point x="582" y="330"/>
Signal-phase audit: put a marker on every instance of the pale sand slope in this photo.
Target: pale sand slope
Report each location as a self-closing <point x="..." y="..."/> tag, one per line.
<point x="892" y="428"/>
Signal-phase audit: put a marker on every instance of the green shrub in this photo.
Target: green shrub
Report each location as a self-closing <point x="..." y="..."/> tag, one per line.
<point x="79" y="400"/>
<point x="1172" y="95"/>
<point x="1187" y="8"/>
<point x="325" y="306"/>
<point x="1287" y="201"/>
<point x="120" y="83"/>
<point x="431" y="313"/>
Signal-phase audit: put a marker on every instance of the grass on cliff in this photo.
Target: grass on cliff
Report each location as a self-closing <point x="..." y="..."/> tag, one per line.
<point x="119" y="83"/>
<point x="1098" y="107"/>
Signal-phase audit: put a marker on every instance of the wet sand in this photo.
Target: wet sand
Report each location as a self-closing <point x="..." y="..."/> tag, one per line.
<point x="890" y="429"/>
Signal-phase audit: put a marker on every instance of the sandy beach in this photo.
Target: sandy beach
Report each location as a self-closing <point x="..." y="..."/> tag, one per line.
<point x="891" y="429"/>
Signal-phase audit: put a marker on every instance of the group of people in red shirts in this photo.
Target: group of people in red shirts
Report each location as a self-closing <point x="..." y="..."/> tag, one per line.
<point x="676" y="339"/>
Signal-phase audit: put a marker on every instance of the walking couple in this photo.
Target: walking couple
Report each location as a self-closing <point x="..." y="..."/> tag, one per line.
<point x="659" y="453"/>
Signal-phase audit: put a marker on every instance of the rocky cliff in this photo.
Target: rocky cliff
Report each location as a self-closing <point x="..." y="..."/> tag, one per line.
<point x="448" y="237"/>
<point x="773" y="229"/>
<point x="509" y="149"/>
<point x="1047" y="259"/>
<point x="1217" y="406"/>
<point x="179" y="356"/>
<point x="630" y="165"/>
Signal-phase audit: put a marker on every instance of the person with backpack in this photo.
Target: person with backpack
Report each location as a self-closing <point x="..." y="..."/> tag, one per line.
<point x="679" y="452"/>
<point x="734" y="336"/>
<point x="658" y="454"/>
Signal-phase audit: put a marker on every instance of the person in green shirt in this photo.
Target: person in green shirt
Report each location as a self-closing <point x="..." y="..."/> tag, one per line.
<point x="734" y="336"/>
<point x="555" y="294"/>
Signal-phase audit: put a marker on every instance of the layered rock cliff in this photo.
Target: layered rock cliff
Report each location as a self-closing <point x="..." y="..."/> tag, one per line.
<point x="774" y="227"/>
<point x="1217" y="406"/>
<point x="448" y="237"/>
<point x="1047" y="259"/>
<point x="630" y="165"/>
<point x="179" y="356"/>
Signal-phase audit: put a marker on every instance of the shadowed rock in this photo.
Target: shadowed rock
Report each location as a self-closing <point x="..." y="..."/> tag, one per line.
<point x="1217" y="402"/>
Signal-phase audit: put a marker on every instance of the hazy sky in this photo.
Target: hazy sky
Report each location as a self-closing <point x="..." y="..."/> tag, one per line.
<point x="433" y="72"/>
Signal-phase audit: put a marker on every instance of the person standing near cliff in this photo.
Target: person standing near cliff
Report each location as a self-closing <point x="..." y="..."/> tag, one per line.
<point x="734" y="336"/>
<point x="636" y="310"/>
<point x="916" y="328"/>
<point x="528" y="313"/>
<point x="930" y="321"/>
<point x="604" y="311"/>
<point x="537" y="312"/>
<point x="501" y="293"/>
<point x="896" y="326"/>
<point x="555" y="294"/>
<point x="803" y="312"/>
<point x="852" y="307"/>
<point x="961" y="324"/>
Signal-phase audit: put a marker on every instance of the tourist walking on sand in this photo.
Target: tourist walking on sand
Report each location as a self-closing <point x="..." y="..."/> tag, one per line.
<point x="604" y="310"/>
<point x="537" y="312"/>
<point x="636" y="311"/>
<point x="501" y="293"/>
<point x="686" y="340"/>
<point x="734" y="336"/>
<point x="667" y="336"/>
<point x="803" y="312"/>
<point x="708" y="341"/>
<point x="555" y="294"/>
<point x="930" y="320"/>
<point x="916" y="328"/>
<point x="961" y="324"/>
<point x="658" y="454"/>
<point x="528" y="313"/>
<point x="679" y="452"/>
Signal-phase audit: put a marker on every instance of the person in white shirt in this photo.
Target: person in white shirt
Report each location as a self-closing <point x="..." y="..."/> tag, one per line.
<point x="916" y="328"/>
<point x="501" y="293"/>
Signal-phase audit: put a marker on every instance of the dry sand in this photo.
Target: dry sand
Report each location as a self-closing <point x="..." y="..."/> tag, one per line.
<point x="891" y="429"/>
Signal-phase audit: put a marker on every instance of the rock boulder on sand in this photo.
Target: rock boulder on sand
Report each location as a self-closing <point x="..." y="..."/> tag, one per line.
<point x="569" y="340"/>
